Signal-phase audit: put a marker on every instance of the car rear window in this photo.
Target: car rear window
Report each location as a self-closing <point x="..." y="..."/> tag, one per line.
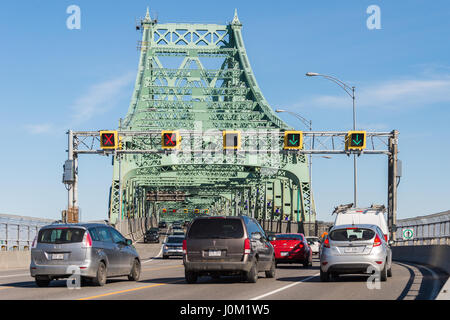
<point x="175" y="240"/>
<point x="60" y="235"/>
<point x="352" y="234"/>
<point x="216" y="229"/>
<point x="288" y="237"/>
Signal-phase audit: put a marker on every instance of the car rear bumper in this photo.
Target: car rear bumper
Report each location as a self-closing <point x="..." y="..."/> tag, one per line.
<point x="61" y="271"/>
<point x="352" y="264"/>
<point x="173" y="253"/>
<point x="210" y="266"/>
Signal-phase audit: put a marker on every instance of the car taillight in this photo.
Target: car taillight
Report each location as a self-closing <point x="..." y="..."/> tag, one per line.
<point x="34" y="243"/>
<point x="87" y="241"/>
<point x="326" y="243"/>
<point x="247" y="246"/>
<point x="184" y="246"/>
<point x="377" y="241"/>
<point x="385" y="238"/>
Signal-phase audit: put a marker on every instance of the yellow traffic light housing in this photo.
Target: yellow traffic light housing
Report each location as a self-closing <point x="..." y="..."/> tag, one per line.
<point x="231" y="140"/>
<point x="355" y="140"/>
<point x="197" y="211"/>
<point x="170" y="139"/>
<point x="293" y="140"/>
<point x="109" y="140"/>
<point x="185" y="210"/>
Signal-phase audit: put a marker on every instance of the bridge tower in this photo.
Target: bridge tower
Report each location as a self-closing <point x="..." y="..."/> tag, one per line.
<point x="196" y="79"/>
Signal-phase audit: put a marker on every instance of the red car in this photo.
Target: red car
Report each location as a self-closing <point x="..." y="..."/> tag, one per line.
<point x="292" y="248"/>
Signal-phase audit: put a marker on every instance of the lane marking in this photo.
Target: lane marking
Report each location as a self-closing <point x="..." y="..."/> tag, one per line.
<point x="129" y="290"/>
<point x="2" y="288"/>
<point x="283" y="288"/>
<point x="160" y="251"/>
<point x="162" y="268"/>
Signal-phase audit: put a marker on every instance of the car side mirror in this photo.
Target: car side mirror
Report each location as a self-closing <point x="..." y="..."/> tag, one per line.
<point x="129" y="242"/>
<point x="256" y="236"/>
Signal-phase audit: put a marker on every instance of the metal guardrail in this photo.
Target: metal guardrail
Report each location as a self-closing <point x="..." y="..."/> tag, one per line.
<point x="427" y="230"/>
<point x="17" y="232"/>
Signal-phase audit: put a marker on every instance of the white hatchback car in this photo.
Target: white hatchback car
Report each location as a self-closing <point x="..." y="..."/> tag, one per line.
<point x="314" y="243"/>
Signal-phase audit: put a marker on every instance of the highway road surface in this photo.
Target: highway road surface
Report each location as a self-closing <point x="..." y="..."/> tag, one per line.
<point x="164" y="280"/>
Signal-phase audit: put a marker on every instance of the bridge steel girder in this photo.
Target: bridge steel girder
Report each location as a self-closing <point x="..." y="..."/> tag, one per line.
<point x="198" y="77"/>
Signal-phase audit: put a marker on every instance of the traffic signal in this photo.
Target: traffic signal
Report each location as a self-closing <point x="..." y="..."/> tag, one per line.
<point x="170" y="139"/>
<point x="197" y="211"/>
<point x="109" y="140"/>
<point x="185" y="210"/>
<point x="355" y="140"/>
<point x="231" y="140"/>
<point x="293" y="140"/>
<point x="164" y="210"/>
<point x="206" y="211"/>
<point x="174" y="211"/>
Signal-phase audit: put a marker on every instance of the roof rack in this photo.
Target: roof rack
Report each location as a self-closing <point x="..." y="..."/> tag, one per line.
<point x="342" y="207"/>
<point x="378" y="207"/>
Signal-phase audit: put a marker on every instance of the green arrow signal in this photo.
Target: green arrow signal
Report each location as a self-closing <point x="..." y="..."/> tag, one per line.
<point x="357" y="141"/>
<point x="293" y="141"/>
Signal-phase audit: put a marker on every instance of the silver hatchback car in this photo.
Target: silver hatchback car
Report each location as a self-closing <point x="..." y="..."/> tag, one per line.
<point x="355" y="249"/>
<point x="94" y="251"/>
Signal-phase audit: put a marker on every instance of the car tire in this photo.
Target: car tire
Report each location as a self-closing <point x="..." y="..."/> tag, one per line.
<point x="135" y="272"/>
<point x="324" y="276"/>
<point x="271" y="272"/>
<point x="100" y="278"/>
<point x="42" y="282"/>
<point x="389" y="272"/>
<point x="252" y="275"/>
<point x="165" y="257"/>
<point x="383" y="274"/>
<point x="190" y="276"/>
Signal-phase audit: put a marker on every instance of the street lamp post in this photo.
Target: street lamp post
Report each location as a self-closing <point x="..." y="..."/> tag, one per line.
<point x="351" y="92"/>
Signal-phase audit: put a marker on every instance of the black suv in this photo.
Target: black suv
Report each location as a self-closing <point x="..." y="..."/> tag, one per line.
<point x="152" y="235"/>
<point x="228" y="245"/>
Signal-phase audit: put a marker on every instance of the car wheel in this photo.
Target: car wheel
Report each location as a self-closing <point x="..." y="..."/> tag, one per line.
<point x="389" y="272"/>
<point x="271" y="272"/>
<point x="100" y="278"/>
<point x="191" y="277"/>
<point x="383" y="274"/>
<point x="165" y="257"/>
<point x="324" y="276"/>
<point x="135" y="272"/>
<point x="252" y="275"/>
<point x="42" y="281"/>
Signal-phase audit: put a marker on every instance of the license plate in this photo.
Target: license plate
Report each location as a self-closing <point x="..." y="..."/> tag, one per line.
<point x="284" y="254"/>
<point x="351" y="250"/>
<point x="213" y="253"/>
<point x="58" y="256"/>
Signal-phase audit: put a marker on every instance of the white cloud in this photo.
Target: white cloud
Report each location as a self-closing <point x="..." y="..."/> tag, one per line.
<point x="392" y="94"/>
<point x="100" y="98"/>
<point x="39" y="128"/>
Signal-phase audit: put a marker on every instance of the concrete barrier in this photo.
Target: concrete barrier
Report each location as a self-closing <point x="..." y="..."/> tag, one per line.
<point x="437" y="256"/>
<point x="14" y="260"/>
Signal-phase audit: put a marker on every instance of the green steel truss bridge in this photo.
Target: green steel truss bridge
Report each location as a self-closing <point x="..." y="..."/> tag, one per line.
<point x="197" y="79"/>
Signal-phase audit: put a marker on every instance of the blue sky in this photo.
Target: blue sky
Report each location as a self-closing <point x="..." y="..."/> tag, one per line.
<point x="53" y="79"/>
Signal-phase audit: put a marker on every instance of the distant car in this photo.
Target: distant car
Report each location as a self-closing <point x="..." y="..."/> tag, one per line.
<point x="98" y="250"/>
<point x="177" y="229"/>
<point x="355" y="249"/>
<point x="173" y="246"/>
<point x="152" y="235"/>
<point x="178" y="233"/>
<point x="162" y="224"/>
<point x="314" y="244"/>
<point x="223" y="245"/>
<point x="292" y="248"/>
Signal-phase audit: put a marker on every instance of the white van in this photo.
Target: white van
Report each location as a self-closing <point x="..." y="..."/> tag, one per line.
<point x="374" y="214"/>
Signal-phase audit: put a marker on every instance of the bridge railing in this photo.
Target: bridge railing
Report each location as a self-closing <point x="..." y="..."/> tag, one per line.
<point x="427" y="230"/>
<point x="17" y="233"/>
